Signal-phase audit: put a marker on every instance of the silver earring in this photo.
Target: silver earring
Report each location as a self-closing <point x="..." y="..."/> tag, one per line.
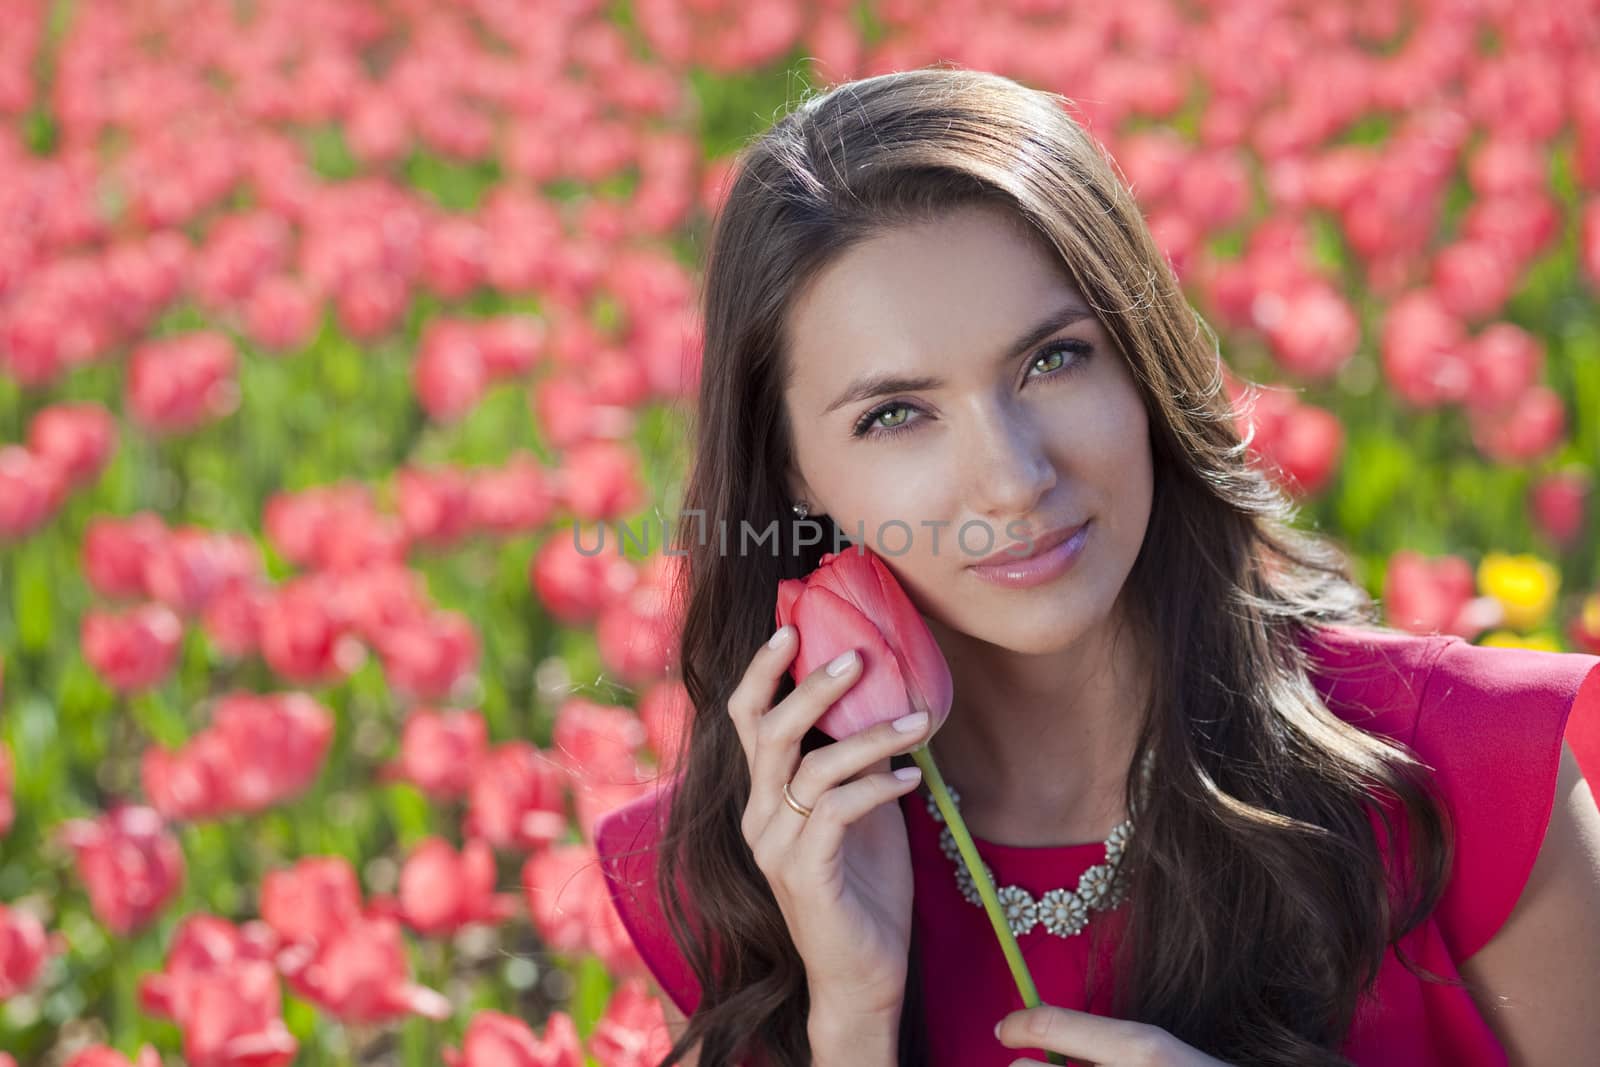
<point x="801" y="508"/>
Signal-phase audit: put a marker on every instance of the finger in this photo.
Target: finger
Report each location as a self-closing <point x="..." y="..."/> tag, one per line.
<point x="823" y="768"/>
<point x="822" y="835"/>
<point x="780" y="730"/>
<point x="1082" y="1034"/>
<point x="752" y="697"/>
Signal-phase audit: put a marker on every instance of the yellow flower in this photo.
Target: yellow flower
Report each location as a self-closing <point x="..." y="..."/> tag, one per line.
<point x="1525" y="585"/>
<point x="1507" y="639"/>
<point x="1591" y="613"/>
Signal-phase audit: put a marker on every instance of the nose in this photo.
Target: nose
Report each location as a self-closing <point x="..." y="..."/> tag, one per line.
<point x="1010" y="469"/>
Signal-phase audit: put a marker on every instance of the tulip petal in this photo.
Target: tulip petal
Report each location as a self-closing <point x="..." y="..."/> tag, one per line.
<point x="828" y="625"/>
<point x="789" y="590"/>
<point x="866" y="581"/>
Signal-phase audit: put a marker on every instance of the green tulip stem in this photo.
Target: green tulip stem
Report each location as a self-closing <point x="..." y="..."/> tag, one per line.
<point x="923" y="757"/>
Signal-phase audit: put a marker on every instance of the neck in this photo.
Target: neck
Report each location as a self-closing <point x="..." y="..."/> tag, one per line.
<point x="1040" y="744"/>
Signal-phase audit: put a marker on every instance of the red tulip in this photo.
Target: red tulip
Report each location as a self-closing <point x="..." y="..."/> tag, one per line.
<point x="852" y="600"/>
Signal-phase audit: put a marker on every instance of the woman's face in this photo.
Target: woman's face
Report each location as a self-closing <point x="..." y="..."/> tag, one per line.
<point x="979" y="433"/>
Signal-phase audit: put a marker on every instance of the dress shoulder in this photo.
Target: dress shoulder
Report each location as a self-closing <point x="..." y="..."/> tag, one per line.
<point x="626" y="839"/>
<point x="1490" y="723"/>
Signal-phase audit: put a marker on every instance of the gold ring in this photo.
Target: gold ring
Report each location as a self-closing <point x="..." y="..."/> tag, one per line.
<point x="788" y="798"/>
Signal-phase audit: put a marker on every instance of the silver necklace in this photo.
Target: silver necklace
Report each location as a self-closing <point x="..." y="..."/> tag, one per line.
<point x="1063" y="912"/>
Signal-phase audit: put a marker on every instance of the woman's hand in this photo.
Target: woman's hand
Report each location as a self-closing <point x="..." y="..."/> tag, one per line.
<point x="1096" y="1040"/>
<point x="842" y="876"/>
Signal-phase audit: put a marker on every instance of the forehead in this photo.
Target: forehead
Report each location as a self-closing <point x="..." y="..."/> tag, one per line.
<point x="955" y="288"/>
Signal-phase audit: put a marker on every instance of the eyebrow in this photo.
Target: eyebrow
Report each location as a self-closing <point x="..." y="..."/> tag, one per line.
<point x="882" y="384"/>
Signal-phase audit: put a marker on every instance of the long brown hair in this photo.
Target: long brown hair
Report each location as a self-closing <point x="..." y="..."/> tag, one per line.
<point x="1263" y="792"/>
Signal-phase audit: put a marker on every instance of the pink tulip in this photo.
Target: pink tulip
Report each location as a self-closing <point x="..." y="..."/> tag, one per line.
<point x="600" y="480"/>
<point x="450" y="374"/>
<point x="572" y="910"/>
<point x="426" y="656"/>
<point x="31" y="489"/>
<point x="1559" y="502"/>
<point x="303" y="638"/>
<point x="1531" y="426"/>
<point x="518" y="799"/>
<point x="516" y="498"/>
<point x="575" y="586"/>
<point x="1436" y="596"/>
<point x="434" y="503"/>
<point x="129" y="862"/>
<point x="359" y="974"/>
<point x="25" y="948"/>
<point x="115" y="549"/>
<point x="179" y="383"/>
<point x="665" y="710"/>
<point x="440" y="751"/>
<point x="852" y="600"/>
<point x="632" y="1032"/>
<point x="132" y="650"/>
<point x="1506" y="362"/>
<point x="188" y="568"/>
<point x="312" y="900"/>
<point x="260" y="750"/>
<point x="442" y="890"/>
<point x="104" y="1056"/>
<point x="495" y="1039"/>
<point x="221" y="987"/>
<point x="77" y="438"/>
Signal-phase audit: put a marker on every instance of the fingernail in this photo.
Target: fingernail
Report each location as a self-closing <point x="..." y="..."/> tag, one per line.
<point x="910" y="724"/>
<point x="842" y="662"/>
<point x="906" y="774"/>
<point x="780" y="637"/>
<point x="997" y="1030"/>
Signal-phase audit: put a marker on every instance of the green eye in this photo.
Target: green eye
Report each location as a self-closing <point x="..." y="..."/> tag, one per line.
<point x="890" y="423"/>
<point x="1056" y="354"/>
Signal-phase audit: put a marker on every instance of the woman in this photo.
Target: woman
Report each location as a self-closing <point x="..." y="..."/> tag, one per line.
<point x="931" y="306"/>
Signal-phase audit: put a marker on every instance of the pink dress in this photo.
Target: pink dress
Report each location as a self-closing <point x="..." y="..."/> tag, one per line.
<point x="1489" y="720"/>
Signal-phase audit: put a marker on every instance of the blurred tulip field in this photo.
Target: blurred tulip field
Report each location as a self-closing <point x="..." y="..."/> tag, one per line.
<point x="322" y="322"/>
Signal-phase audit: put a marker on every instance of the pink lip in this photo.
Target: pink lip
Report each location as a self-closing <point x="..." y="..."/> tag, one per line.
<point x="1036" y="546"/>
<point x="1049" y="561"/>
